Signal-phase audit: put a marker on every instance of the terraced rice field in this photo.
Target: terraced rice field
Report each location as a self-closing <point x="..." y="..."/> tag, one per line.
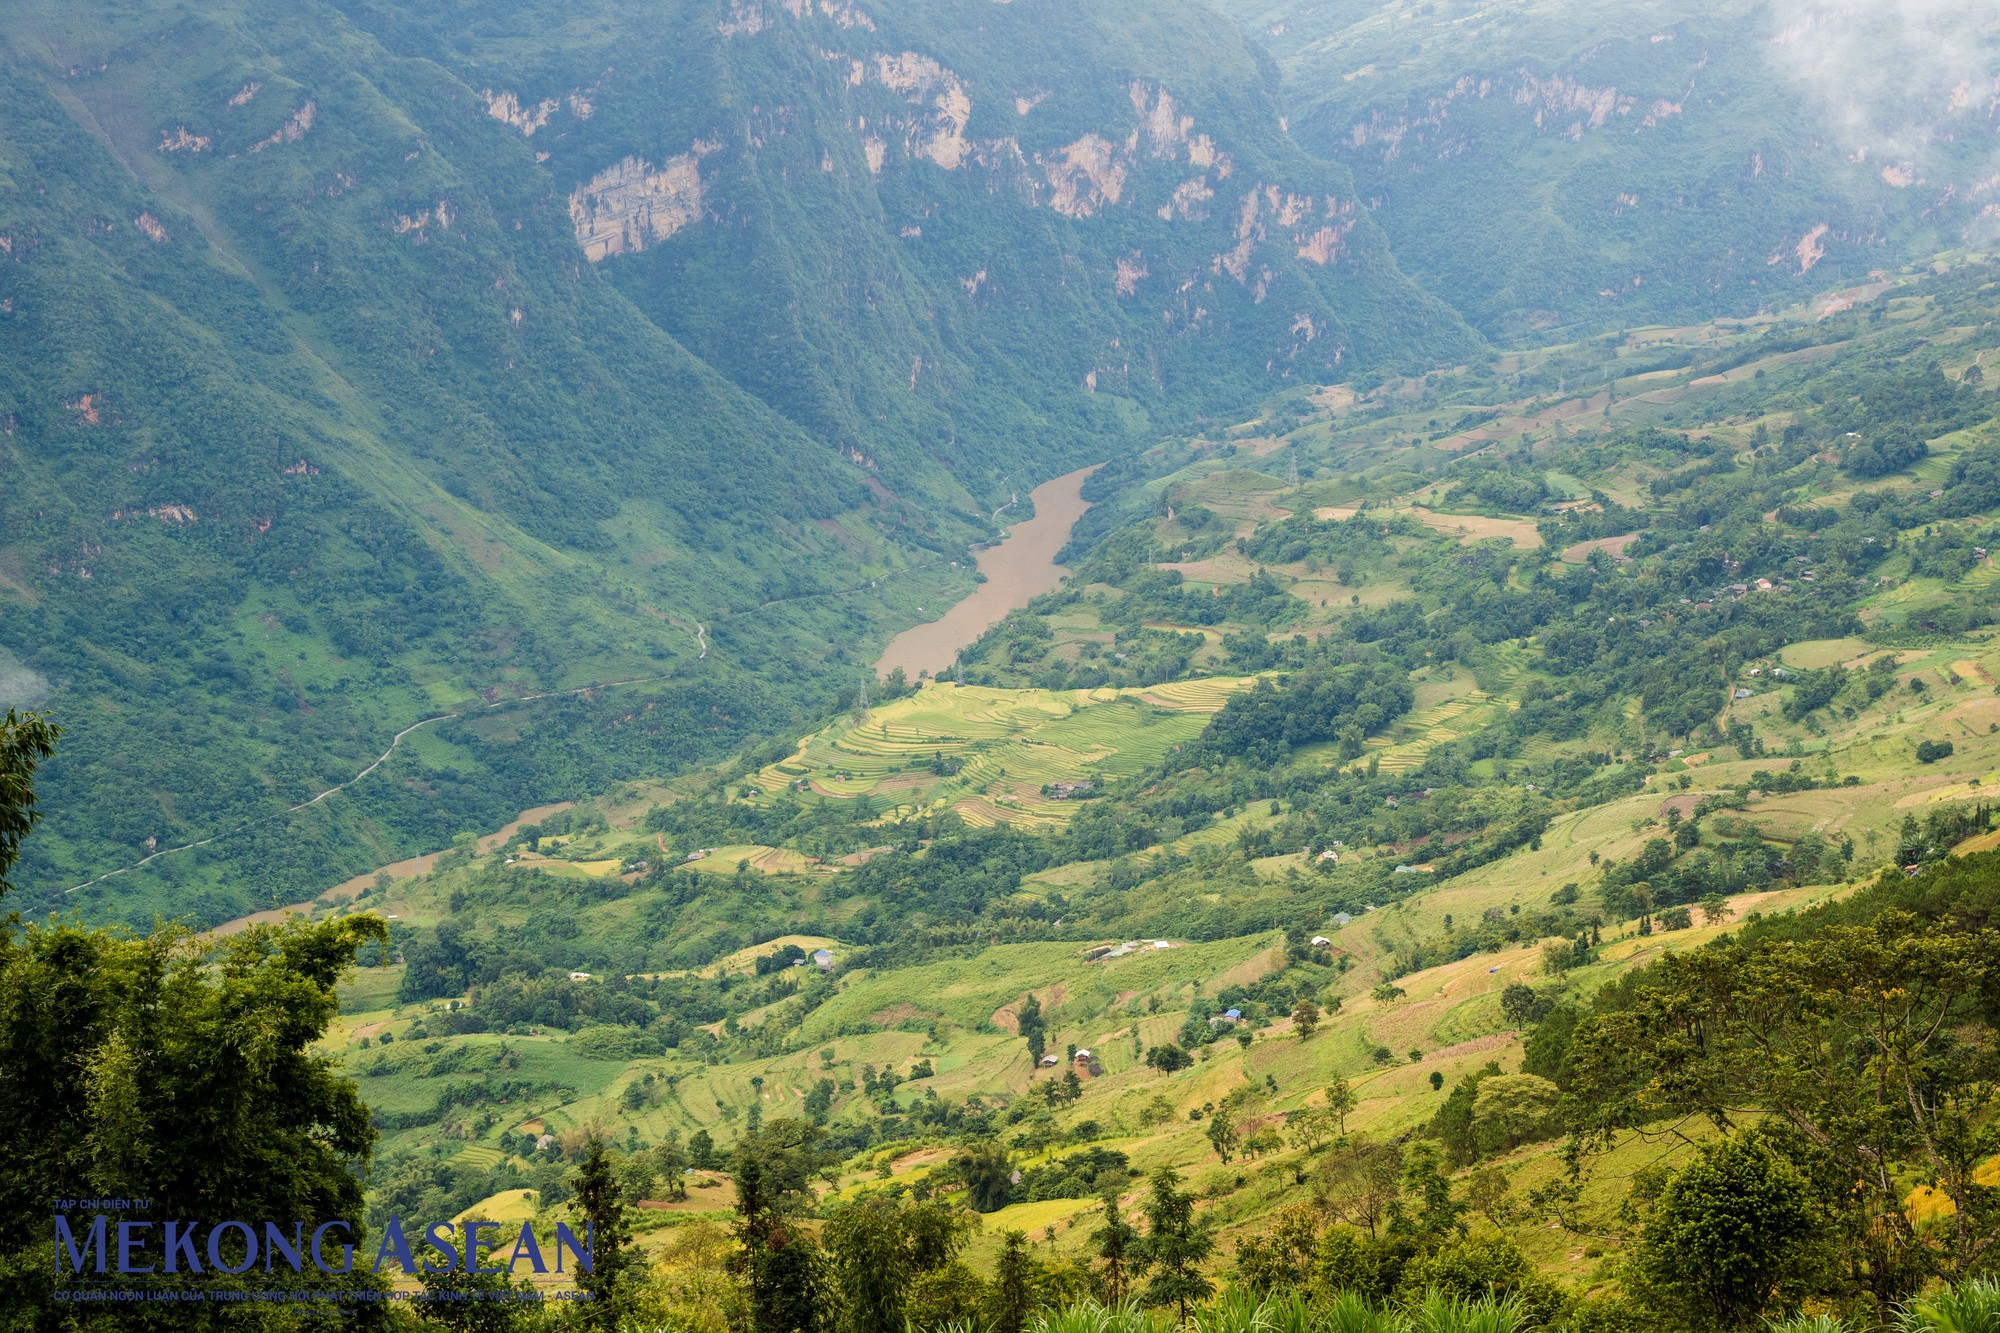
<point x="1006" y="747"/>
<point x="1470" y="528"/>
<point x="1405" y="749"/>
<point x="764" y="860"/>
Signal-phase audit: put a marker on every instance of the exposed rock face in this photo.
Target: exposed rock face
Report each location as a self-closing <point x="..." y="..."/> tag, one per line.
<point x="633" y="204"/>
<point x="1809" y="249"/>
<point x="1086" y="176"/>
<point x="291" y="131"/>
<point x="920" y="80"/>
<point x="1129" y="271"/>
<point x="178" y="140"/>
<point x="747" y="18"/>
<point x="506" y="108"/>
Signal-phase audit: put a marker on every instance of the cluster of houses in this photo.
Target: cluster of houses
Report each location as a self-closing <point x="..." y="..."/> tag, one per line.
<point x="1084" y="1061"/>
<point x="1099" y="952"/>
<point x="1744" y="691"/>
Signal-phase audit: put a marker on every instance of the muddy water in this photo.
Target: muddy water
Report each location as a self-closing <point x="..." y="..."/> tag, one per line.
<point x="1019" y="569"/>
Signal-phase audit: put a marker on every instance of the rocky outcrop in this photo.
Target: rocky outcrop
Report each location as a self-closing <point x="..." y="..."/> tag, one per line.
<point x="633" y="204"/>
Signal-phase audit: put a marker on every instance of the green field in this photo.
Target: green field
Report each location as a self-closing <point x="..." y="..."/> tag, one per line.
<point x="1006" y="745"/>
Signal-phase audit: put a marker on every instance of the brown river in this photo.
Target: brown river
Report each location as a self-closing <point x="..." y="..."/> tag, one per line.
<point x="1018" y="569"/>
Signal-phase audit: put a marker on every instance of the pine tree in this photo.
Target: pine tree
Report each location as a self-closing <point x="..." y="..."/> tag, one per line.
<point x="1013" y="1286"/>
<point x="1032" y="1029"/>
<point x="1118" y="1249"/>
<point x="1177" y="1244"/>
<point x="599" y="1204"/>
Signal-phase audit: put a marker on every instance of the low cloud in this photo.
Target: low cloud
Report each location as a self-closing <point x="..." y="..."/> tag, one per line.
<point x="1909" y="90"/>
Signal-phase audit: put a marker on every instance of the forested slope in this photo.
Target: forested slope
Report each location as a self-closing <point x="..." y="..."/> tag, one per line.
<point x="358" y="367"/>
<point x="1582" y="165"/>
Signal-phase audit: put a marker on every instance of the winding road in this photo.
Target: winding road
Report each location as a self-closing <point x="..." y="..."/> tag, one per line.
<point x="380" y="760"/>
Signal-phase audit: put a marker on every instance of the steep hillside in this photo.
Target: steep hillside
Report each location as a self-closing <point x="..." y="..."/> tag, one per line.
<point x="982" y="237"/>
<point x="361" y="368"/>
<point x="1579" y="165"/>
<point x="290" y="468"/>
<point x="1373" y="744"/>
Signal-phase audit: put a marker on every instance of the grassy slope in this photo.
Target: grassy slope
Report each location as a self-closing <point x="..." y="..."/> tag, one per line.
<point x="959" y="1013"/>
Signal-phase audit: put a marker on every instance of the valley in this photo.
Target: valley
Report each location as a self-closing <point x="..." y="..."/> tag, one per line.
<point x="1025" y="667"/>
<point x="1092" y="810"/>
<point x="1019" y="568"/>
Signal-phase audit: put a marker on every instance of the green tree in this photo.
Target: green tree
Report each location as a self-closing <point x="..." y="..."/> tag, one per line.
<point x="25" y="740"/>
<point x="1359" y="1179"/>
<point x="1222" y="1134"/>
<point x="598" y="1203"/>
<point x="1486" y="1193"/>
<point x="867" y="1260"/>
<point x="1732" y="1230"/>
<point x="1437" y="1213"/>
<point x="1177" y="1244"/>
<point x="670" y="1159"/>
<point x="950" y="1296"/>
<point x="1848" y="1050"/>
<point x="1032" y="1028"/>
<point x="1482" y="1268"/>
<point x="1310" y="1127"/>
<point x="774" y="1171"/>
<point x="474" y="1302"/>
<point x="1013" y="1284"/>
<point x="1341" y="1101"/>
<point x="1512" y="1109"/>
<point x="1285" y="1254"/>
<point x="988" y="1174"/>
<point x="878" y="1248"/>
<point x="1305" y="1017"/>
<point x="182" y="1071"/>
<point x="1119" y="1253"/>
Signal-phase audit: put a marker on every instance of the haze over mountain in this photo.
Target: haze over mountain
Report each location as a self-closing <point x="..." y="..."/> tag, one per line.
<point x="364" y="364"/>
<point x="1562" y="164"/>
<point x="1471" y="795"/>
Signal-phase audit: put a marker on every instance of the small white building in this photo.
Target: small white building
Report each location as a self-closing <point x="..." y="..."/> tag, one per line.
<point x="1051" y="1060"/>
<point x="1321" y="942"/>
<point x="1083" y="1057"/>
<point x="579" y="976"/>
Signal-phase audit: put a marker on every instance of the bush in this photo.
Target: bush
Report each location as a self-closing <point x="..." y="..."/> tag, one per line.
<point x="1735" y="1228"/>
<point x="1511" y="1109"/>
<point x="1929" y="752"/>
<point x="1484" y="1268"/>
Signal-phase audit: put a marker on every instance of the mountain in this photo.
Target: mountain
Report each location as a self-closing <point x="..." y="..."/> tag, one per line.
<point x="1386" y="760"/>
<point x="986" y="237"/>
<point x="364" y="365"/>
<point x="1570" y="165"/>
